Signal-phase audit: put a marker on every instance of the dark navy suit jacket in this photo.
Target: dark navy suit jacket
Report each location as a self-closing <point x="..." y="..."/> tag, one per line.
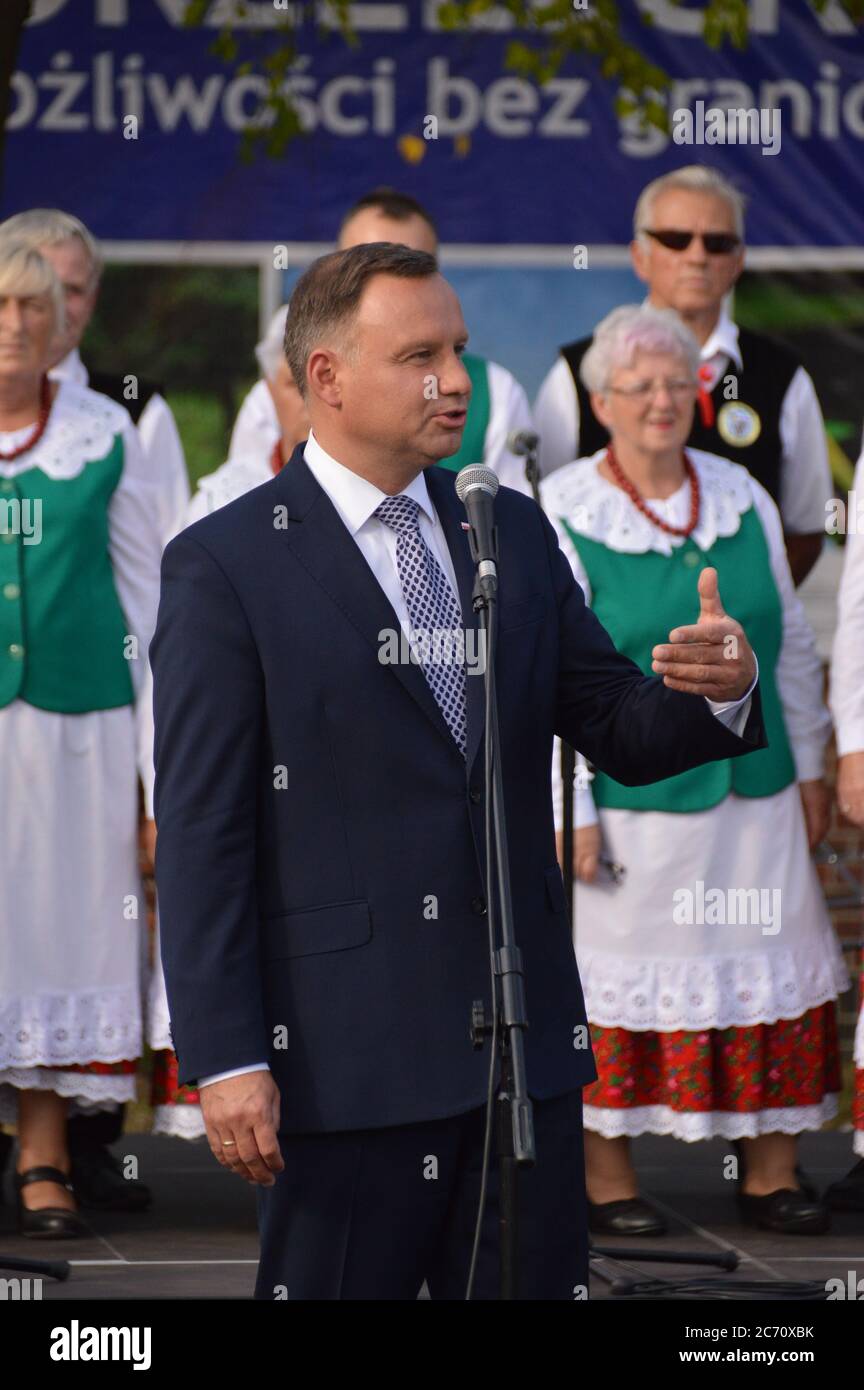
<point x="320" y="858"/>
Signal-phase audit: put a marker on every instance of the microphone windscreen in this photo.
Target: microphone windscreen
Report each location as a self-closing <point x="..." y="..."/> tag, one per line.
<point x="522" y="441"/>
<point x="476" y="475"/>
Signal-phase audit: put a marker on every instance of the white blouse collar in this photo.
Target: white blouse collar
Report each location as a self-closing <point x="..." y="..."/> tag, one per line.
<point x="81" y="427"/>
<point x="600" y="511"/>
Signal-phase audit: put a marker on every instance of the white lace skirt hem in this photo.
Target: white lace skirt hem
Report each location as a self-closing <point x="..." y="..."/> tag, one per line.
<point x="179" y="1121"/>
<point x="736" y="991"/>
<point x="714" y="1124"/>
<point x="86" y="1092"/>
<point x="54" y="1030"/>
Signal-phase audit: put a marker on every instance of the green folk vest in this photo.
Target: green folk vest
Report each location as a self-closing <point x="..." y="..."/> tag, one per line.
<point x="62" y="630"/>
<point x="641" y="598"/>
<point x="473" y="446"/>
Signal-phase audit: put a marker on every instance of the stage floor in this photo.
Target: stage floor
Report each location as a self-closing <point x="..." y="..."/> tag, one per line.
<point x="198" y="1240"/>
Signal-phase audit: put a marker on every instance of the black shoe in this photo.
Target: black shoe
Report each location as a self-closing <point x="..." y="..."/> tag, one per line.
<point x="807" y="1186"/>
<point x="47" y="1223"/>
<point x="847" y="1194"/>
<point x="786" y="1211"/>
<point x="97" y="1177"/>
<point x="631" y="1217"/>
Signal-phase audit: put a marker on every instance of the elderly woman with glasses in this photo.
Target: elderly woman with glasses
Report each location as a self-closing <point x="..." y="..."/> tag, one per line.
<point x="707" y="957"/>
<point x="79" y="584"/>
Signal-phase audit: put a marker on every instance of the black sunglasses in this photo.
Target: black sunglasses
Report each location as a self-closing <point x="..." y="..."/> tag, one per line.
<point x="715" y="243"/>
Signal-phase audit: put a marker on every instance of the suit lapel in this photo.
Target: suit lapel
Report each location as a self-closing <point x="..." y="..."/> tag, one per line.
<point x="325" y="548"/>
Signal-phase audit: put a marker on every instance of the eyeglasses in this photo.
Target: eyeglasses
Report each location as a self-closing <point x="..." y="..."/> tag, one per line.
<point x="645" y="390"/>
<point x="715" y="243"/>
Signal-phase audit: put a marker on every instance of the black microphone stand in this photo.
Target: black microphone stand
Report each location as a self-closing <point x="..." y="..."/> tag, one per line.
<point x="513" y="1109"/>
<point x="532" y="472"/>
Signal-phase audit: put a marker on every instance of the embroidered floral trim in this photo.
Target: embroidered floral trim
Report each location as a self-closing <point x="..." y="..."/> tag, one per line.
<point x="179" y="1121"/>
<point x="234" y="479"/>
<point x="94" y="1092"/>
<point x="81" y="427"/>
<point x="53" y="1030"/>
<point x="713" y="992"/>
<point x="660" y="1119"/>
<point x="598" y="509"/>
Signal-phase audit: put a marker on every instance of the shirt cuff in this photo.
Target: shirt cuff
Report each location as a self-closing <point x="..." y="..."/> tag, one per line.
<point x="238" y="1071"/>
<point x="734" y="713"/>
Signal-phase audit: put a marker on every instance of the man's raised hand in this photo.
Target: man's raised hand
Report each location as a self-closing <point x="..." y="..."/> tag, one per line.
<point x="712" y="656"/>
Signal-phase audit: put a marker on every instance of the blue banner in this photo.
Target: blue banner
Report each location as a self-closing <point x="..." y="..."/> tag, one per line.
<point x="128" y="120"/>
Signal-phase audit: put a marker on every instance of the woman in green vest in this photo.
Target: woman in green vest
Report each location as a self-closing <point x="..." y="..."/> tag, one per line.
<point x="79" y="581"/>
<point x="707" y="957"/>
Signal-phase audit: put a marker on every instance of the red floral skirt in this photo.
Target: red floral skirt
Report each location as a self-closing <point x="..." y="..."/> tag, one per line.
<point x="164" y="1087"/>
<point x="794" y="1062"/>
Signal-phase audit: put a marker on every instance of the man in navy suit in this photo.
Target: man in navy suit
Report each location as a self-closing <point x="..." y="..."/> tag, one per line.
<point x="320" y="859"/>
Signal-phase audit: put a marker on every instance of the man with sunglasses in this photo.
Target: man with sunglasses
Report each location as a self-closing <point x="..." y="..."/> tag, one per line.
<point x="757" y="405"/>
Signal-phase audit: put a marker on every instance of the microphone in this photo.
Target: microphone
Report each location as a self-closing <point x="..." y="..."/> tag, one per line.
<point x="476" y="487"/>
<point x="522" y="441"/>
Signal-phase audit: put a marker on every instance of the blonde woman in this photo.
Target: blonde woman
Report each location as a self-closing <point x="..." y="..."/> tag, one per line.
<point x="79" y="578"/>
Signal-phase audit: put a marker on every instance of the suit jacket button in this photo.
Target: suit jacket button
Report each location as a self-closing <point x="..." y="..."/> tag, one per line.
<point x="478" y="906"/>
<point x="475" y="794"/>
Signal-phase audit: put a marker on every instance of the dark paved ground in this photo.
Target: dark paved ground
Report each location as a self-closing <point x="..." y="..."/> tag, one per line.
<point x="199" y="1238"/>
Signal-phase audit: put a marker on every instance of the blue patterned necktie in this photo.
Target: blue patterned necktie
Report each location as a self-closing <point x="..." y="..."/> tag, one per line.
<point x="432" y="607"/>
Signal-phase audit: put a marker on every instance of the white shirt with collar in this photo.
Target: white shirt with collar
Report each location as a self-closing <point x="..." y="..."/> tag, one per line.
<point x="160" y="441"/>
<point x="805" y="475"/>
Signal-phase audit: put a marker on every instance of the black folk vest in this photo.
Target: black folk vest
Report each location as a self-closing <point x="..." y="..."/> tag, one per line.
<point x="746" y="429"/>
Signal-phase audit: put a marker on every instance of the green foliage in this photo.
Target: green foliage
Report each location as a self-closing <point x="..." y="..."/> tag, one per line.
<point x="192" y="329"/>
<point x="555" y="32"/>
<point x="201" y="422"/>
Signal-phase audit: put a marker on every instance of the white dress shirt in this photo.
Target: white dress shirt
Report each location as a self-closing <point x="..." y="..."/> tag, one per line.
<point x="160" y="441"/>
<point x="805" y="474"/>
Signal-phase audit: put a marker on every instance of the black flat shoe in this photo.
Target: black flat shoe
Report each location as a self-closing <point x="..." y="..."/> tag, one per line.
<point x="47" y="1223"/>
<point x="100" y="1185"/>
<point x="786" y="1211"/>
<point x="847" y="1194"/>
<point x="807" y="1186"/>
<point x="631" y="1217"/>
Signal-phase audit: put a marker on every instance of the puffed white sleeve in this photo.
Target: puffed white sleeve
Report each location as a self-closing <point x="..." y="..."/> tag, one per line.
<point x="805" y="478"/>
<point x="508" y="412"/>
<point x="163" y="450"/>
<point x="584" y="810"/>
<point x="256" y="428"/>
<point x="556" y="418"/>
<point x="135" y="547"/>
<point x="799" y="669"/>
<point x="847" y="657"/>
